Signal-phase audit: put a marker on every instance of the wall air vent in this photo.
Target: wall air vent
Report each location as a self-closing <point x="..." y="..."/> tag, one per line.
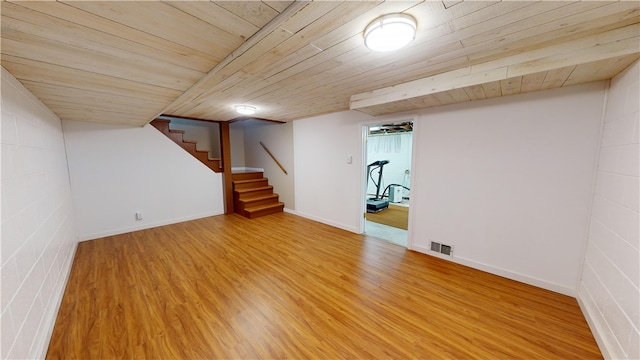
<point x="435" y="246"/>
<point x="442" y="248"/>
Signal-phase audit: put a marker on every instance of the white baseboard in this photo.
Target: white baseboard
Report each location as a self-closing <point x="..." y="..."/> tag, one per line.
<point x="599" y="329"/>
<point x="142" y="226"/>
<point x="49" y="320"/>
<point x="503" y="272"/>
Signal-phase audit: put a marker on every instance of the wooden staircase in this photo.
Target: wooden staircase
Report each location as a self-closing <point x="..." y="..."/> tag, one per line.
<point x="253" y="196"/>
<point x="177" y="136"/>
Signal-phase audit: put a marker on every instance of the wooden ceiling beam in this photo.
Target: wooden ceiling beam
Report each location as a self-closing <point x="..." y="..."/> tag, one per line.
<point x="610" y="44"/>
<point x="244" y="54"/>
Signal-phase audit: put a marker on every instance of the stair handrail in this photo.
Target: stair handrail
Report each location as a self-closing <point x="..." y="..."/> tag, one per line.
<point x="274" y="158"/>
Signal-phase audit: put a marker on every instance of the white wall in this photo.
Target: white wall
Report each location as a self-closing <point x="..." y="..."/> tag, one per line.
<point x="278" y="138"/>
<point x="117" y="171"/>
<point x="327" y="188"/>
<point x="506" y="181"/>
<point x="609" y="289"/>
<point x="38" y="229"/>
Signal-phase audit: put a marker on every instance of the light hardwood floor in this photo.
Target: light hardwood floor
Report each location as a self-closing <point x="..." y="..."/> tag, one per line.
<point x="282" y="286"/>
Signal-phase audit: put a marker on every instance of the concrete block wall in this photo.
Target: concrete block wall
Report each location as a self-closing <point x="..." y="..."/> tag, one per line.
<point x="609" y="287"/>
<point x="38" y="232"/>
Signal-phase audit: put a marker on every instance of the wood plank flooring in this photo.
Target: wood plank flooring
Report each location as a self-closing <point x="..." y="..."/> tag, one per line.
<point x="282" y="286"/>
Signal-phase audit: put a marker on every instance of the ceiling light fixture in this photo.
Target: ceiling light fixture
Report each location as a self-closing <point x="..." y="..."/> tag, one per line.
<point x="245" y="109"/>
<point x="390" y="32"/>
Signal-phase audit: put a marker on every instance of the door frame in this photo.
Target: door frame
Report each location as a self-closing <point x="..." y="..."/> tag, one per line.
<point x="364" y="127"/>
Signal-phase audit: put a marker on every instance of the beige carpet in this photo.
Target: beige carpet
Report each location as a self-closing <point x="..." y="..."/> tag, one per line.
<point x="396" y="216"/>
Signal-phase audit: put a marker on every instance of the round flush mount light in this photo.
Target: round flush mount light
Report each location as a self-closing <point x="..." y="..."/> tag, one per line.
<point x="245" y="109"/>
<point x="390" y="32"/>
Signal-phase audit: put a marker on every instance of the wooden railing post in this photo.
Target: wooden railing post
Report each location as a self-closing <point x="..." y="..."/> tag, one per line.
<point x="225" y="149"/>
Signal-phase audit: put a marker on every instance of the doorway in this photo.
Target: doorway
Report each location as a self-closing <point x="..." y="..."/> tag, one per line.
<point x="388" y="155"/>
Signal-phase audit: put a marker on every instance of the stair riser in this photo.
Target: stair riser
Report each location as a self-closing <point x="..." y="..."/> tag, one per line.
<point x="251" y="185"/>
<point x="251" y="194"/>
<point x="247" y="176"/>
<point x="243" y="204"/>
<point x="263" y="212"/>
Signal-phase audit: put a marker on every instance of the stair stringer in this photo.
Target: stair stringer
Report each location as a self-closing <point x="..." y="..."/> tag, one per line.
<point x="177" y="136"/>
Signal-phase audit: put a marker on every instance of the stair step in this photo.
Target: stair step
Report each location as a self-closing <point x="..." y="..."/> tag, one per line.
<point x="176" y="137"/>
<point x="176" y="131"/>
<point x="252" y="183"/>
<point x="202" y="156"/>
<point x="242" y="204"/>
<point x="247" y="175"/>
<point x="190" y="147"/>
<point x="161" y="124"/>
<point x="248" y="181"/>
<point x="257" y="211"/>
<point x="242" y="194"/>
<point x="253" y="196"/>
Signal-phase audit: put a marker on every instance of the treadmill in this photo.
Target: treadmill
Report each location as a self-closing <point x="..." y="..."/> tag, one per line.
<point x="377" y="204"/>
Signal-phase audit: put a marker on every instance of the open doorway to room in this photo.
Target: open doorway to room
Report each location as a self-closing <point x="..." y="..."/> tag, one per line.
<point x="388" y="173"/>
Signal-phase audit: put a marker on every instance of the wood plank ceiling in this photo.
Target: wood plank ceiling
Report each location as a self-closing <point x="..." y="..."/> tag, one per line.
<point x="127" y="62"/>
